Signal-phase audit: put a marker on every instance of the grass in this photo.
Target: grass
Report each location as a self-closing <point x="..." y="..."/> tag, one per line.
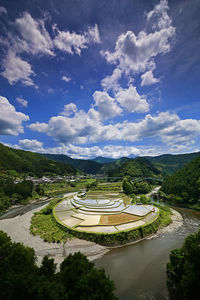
<point x="44" y="224"/>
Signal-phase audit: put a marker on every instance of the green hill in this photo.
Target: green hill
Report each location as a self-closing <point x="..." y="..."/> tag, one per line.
<point x="168" y="163"/>
<point x="31" y="163"/>
<point x="109" y="168"/>
<point x="86" y="166"/>
<point x="185" y="184"/>
<point x="137" y="167"/>
<point x="103" y="160"/>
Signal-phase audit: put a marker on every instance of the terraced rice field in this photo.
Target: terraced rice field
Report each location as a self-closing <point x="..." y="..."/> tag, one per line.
<point x="102" y="213"/>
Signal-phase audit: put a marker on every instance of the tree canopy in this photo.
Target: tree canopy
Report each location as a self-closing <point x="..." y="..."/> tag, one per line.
<point x="21" y="278"/>
<point x="183" y="270"/>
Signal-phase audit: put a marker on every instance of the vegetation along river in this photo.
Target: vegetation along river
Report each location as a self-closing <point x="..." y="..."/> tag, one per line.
<point x="139" y="270"/>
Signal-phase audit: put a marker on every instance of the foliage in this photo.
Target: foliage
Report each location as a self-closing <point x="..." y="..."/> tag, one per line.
<point x="127" y="186"/>
<point x="144" y="199"/>
<point x="11" y="193"/>
<point x="135" y="187"/>
<point x="185" y="184"/>
<point x="138" y="167"/>
<point x="31" y="163"/>
<point x="44" y="225"/>
<point x="183" y="270"/>
<point x="22" y="279"/>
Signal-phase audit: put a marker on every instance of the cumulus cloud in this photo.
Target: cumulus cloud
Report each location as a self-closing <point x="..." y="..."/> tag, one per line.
<point x="10" y="119"/>
<point x="160" y="13"/>
<point x="82" y="127"/>
<point x="40" y="127"/>
<point x="32" y="145"/>
<point x="131" y="100"/>
<point x="66" y="78"/>
<point x="3" y="10"/>
<point x="111" y="82"/>
<point x="22" y="101"/>
<point x="72" y="42"/>
<point x="36" y="39"/>
<point x="148" y="78"/>
<point x="69" y="109"/>
<point x="17" y="69"/>
<point x="107" y="106"/>
<point x="135" y="54"/>
<point x="33" y="38"/>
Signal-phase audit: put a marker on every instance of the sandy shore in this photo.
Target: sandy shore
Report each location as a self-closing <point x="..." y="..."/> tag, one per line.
<point x="18" y="229"/>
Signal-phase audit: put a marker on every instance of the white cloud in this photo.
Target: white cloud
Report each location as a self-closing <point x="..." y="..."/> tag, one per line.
<point x="66" y="78"/>
<point x="17" y="69"/>
<point x="3" y="10"/>
<point x="32" y="145"/>
<point x="84" y="127"/>
<point x="93" y="34"/>
<point x="36" y="39"/>
<point x="10" y="119"/>
<point x="69" y="109"/>
<point x="111" y="82"/>
<point x="131" y="100"/>
<point x="33" y="38"/>
<point x="160" y="12"/>
<point x="135" y="54"/>
<point x="107" y="105"/>
<point x="148" y="78"/>
<point x="40" y="127"/>
<point x="72" y="42"/>
<point x="22" y="101"/>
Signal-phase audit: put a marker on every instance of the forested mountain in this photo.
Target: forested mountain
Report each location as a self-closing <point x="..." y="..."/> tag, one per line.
<point x="103" y="160"/>
<point x="185" y="183"/>
<point x="118" y="168"/>
<point x="137" y="167"/>
<point x="109" y="168"/>
<point x="86" y="166"/>
<point x="31" y="163"/>
<point x="168" y="163"/>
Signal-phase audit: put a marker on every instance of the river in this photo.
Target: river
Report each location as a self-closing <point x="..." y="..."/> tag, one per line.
<point x="139" y="270"/>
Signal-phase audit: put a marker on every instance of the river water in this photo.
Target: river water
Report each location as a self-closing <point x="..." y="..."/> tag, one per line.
<point x="139" y="270"/>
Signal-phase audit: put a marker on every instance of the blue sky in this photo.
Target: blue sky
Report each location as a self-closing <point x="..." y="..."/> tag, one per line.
<point x="100" y="78"/>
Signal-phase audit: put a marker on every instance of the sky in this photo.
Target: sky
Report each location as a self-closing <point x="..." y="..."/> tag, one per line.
<point x="100" y="78"/>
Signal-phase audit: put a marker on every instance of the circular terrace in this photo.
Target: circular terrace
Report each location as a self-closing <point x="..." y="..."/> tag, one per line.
<point x="103" y="214"/>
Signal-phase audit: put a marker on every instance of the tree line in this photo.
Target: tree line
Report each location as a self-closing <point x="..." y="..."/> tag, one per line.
<point x="22" y="279"/>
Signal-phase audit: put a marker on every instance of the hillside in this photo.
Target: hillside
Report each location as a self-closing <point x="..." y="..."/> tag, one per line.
<point x="137" y="167"/>
<point x="109" y="168"/>
<point x="168" y="163"/>
<point x="103" y="160"/>
<point x="31" y="163"/>
<point x="185" y="183"/>
<point x="86" y="166"/>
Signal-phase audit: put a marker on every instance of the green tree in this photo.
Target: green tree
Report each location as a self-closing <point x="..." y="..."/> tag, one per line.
<point x="127" y="186"/>
<point x="183" y="270"/>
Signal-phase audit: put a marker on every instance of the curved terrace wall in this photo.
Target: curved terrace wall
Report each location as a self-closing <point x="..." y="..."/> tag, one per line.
<point x="127" y="233"/>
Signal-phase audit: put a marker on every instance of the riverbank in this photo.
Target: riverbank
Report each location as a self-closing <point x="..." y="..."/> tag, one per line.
<point x="18" y="229"/>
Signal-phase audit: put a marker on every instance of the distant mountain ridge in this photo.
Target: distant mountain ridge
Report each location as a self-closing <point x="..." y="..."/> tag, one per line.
<point x="86" y="166"/>
<point x="170" y="163"/>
